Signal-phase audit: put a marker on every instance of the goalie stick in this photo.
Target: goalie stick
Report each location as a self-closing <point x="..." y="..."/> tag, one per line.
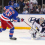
<point x="34" y="29"/>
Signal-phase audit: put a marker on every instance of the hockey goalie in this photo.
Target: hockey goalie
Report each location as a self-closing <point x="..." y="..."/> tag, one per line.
<point x="38" y="28"/>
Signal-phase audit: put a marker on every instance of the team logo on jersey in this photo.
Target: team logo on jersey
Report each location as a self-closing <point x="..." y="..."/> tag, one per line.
<point x="31" y="19"/>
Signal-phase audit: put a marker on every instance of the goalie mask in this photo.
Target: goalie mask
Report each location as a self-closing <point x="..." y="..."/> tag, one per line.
<point x="41" y="20"/>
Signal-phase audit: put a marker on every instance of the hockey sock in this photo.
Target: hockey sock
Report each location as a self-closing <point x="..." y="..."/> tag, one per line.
<point x="3" y="29"/>
<point x="11" y="32"/>
<point x="0" y="30"/>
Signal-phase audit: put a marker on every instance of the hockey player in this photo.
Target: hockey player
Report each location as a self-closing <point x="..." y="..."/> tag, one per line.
<point x="9" y="13"/>
<point x="40" y="24"/>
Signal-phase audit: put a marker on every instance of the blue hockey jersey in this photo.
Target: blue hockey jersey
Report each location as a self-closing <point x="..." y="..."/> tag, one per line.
<point x="9" y="14"/>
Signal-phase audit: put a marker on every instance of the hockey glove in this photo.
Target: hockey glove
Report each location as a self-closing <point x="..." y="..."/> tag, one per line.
<point x="22" y="19"/>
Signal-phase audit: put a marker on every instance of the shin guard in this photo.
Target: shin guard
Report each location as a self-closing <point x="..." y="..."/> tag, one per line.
<point x="11" y="32"/>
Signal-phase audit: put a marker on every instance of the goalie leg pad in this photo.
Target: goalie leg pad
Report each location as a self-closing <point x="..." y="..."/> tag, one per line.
<point x="11" y="32"/>
<point x="33" y="33"/>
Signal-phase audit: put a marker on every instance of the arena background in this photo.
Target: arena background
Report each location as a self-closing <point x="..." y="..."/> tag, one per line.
<point x="5" y="3"/>
<point x="23" y="25"/>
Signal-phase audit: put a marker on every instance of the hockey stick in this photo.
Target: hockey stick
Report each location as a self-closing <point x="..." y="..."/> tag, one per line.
<point x="27" y="23"/>
<point x="34" y="29"/>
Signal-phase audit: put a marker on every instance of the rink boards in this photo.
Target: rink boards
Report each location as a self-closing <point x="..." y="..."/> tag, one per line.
<point x="28" y="18"/>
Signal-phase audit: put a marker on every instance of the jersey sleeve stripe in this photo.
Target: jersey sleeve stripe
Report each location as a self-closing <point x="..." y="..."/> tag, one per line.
<point x="5" y="18"/>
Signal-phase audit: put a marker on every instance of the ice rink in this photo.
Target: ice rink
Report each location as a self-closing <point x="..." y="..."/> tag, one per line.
<point x="23" y="38"/>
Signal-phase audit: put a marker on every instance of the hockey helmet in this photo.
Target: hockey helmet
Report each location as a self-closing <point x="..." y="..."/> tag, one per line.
<point x="16" y="5"/>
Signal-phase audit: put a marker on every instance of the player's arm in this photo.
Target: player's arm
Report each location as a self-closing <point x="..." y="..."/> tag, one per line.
<point x="20" y="19"/>
<point x="16" y="18"/>
<point x="6" y="7"/>
<point x="15" y="14"/>
<point x="35" y="23"/>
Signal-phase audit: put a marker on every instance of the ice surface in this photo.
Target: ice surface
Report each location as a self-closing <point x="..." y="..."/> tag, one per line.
<point x="23" y="38"/>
